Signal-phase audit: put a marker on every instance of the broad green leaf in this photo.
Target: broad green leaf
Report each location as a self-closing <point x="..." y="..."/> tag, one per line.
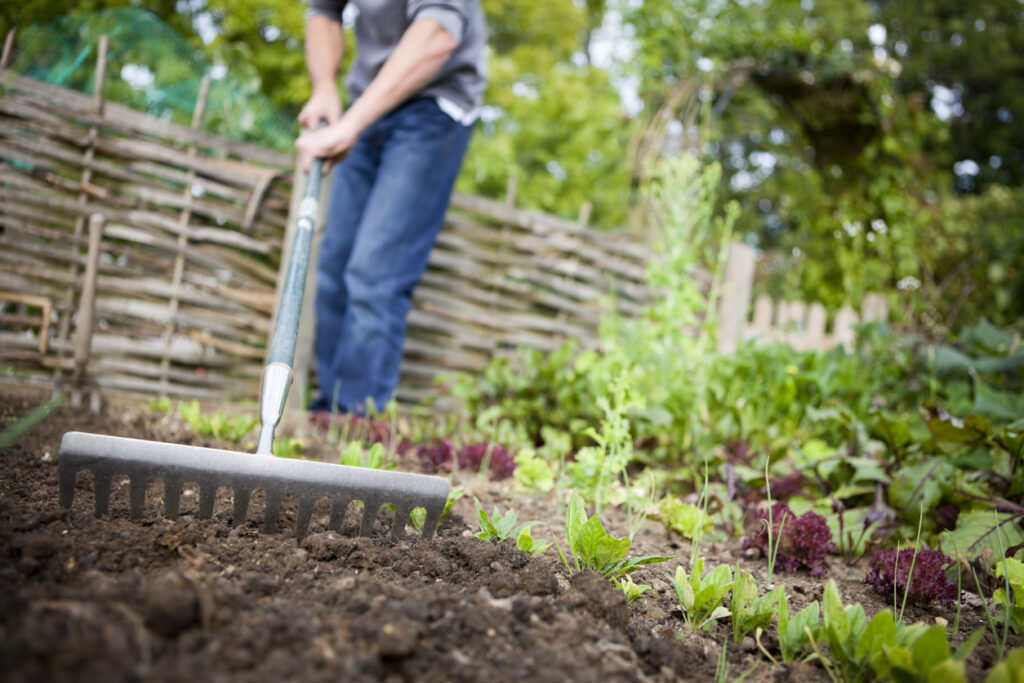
<point x="881" y="631"/>
<point x="1010" y="670"/>
<point x="1011" y="570"/>
<point x="978" y="531"/>
<point x="793" y="637"/>
<point x="575" y="516"/>
<point x="947" y="671"/>
<point x="834" y="616"/>
<point x="999" y="405"/>
<point x="895" y="434"/>
<point x="931" y="649"/>
<point x="971" y="429"/>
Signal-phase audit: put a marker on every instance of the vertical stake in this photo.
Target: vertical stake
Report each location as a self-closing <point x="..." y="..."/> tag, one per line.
<point x="99" y="80"/>
<point x="183" y="226"/>
<point x="5" y="59"/>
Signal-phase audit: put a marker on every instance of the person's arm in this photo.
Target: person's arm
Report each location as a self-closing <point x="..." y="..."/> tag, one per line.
<point x="325" y="48"/>
<point x="422" y="51"/>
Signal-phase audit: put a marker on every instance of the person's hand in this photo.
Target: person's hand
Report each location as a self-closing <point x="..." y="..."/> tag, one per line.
<point x="323" y="105"/>
<point x="331" y="143"/>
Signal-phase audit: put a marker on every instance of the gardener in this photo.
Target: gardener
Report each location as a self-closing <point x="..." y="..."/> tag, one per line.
<point x="416" y="84"/>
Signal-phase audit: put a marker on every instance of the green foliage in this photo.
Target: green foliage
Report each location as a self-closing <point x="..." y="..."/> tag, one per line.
<point x="1011" y="594"/>
<point x="499" y="527"/>
<point x="533" y="473"/>
<point x="591" y="547"/>
<point x="418" y="517"/>
<point x="631" y="590"/>
<point x="288" y="447"/>
<point x="700" y="595"/>
<point x="750" y="611"/>
<point x="357" y="454"/>
<point x="220" y="426"/>
<point x="528" y="544"/>
<point x="796" y="633"/>
<point x="690" y="521"/>
<point x="1010" y="670"/>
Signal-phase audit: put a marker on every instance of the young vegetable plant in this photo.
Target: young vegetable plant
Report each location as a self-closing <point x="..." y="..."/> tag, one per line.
<point x="796" y="633"/>
<point x="591" y="547"/>
<point x="885" y="648"/>
<point x="631" y="590"/>
<point x="701" y="596"/>
<point x="1011" y="594"/>
<point x="500" y="527"/>
<point x="418" y="517"/>
<point x="750" y="612"/>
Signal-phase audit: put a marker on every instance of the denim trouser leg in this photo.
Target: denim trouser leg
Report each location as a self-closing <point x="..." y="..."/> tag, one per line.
<point x="388" y="204"/>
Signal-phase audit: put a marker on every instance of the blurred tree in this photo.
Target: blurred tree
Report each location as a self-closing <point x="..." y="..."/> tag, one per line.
<point x="551" y="117"/>
<point x="967" y="58"/>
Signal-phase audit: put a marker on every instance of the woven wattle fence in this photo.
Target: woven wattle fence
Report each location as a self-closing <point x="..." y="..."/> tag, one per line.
<point x="174" y="293"/>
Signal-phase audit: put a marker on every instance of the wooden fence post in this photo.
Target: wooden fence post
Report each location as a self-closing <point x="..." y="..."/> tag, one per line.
<point x="184" y="218"/>
<point x="99" y="78"/>
<point x="86" y="320"/>
<point x="735" y="301"/>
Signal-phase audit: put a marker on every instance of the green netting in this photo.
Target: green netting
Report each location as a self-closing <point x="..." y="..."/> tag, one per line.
<point x="153" y="68"/>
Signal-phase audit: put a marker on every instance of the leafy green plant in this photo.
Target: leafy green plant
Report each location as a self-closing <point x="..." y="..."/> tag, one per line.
<point x="689" y="521"/>
<point x="356" y="454"/>
<point x="288" y="447"/>
<point x="591" y="547"/>
<point x="533" y="474"/>
<point x="418" y="517"/>
<point x="886" y="647"/>
<point x="497" y="526"/>
<point x="219" y="426"/>
<point x="528" y="544"/>
<point x="797" y="633"/>
<point x="1011" y="594"/>
<point x="1010" y="670"/>
<point x="631" y="590"/>
<point x="700" y="596"/>
<point x="750" y="611"/>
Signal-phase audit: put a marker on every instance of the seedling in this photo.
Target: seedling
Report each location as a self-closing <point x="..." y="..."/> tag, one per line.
<point x="631" y="590"/>
<point x="528" y="544"/>
<point x="750" y="612"/>
<point x="591" y="547"/>
<point x="419" y="515"/>
<point x="796" y="634"/>
<point x="1012" y="594"/>
<point x="700" y="596"/>
<point x="499" y="527"/>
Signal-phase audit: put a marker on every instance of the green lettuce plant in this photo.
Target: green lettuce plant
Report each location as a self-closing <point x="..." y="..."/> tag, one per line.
<point x="750" y="611"/>
<point x="591" y="547"/>
<point x="700" y="596"/>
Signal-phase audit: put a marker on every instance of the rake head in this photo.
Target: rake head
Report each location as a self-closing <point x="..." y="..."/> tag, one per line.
<point x="210" y="468"/>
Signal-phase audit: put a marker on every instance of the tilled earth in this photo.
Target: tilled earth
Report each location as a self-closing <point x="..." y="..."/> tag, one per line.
<point x="87" y="599"/>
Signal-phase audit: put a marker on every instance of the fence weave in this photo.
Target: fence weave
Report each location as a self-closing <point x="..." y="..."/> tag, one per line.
<point x="191" y="249"/>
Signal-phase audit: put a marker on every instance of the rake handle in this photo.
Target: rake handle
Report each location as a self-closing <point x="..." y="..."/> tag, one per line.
<point x="278" y="372"/>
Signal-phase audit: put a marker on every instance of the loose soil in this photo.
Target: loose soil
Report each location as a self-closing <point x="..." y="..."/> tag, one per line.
<point x="87" y="599"/>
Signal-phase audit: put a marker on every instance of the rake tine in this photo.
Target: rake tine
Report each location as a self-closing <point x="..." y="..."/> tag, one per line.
<point x="101" y="484"/>
<point x="371" y="506"/>
<point x="66" y="479"/>
<point x="136" y="496"/>
<point x="172" y="496"/>
<point x="339" y="506"/>
<point x="274" y="497"/>
<point x="241" y="505"/>
<point x="305" y="512"/>
<point x="207" y="495"/>
<point x="432" y="519"/>
<point x="401" y="517"/>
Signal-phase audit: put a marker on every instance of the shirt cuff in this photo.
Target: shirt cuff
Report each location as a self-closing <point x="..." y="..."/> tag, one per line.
<point x="327" y="9"/>
<point x="450" y="20"/>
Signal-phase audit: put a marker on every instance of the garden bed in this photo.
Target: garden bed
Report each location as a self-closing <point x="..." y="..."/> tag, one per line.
<point x="170" y="599"/>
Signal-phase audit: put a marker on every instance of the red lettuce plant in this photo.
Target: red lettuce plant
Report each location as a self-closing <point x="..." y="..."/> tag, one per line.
<point x="801" y="541"/>
<point x="440" y="457"/>
<point x="890" y="570"/>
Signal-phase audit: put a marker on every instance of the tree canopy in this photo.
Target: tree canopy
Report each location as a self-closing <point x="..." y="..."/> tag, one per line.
<point x="872" y="145"/>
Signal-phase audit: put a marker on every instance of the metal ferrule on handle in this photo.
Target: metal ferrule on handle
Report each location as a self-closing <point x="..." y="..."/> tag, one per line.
<point x="278" y="373"/>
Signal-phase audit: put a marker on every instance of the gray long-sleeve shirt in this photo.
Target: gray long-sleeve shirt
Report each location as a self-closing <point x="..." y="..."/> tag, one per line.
<point x="459" y="86"/>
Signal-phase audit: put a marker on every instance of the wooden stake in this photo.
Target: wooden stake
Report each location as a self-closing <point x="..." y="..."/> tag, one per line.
<point x="183" y="223"/>
<point x="5" y="59"/>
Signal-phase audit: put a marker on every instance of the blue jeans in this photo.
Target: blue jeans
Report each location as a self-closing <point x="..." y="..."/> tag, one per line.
<point x="387" y="206"/>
